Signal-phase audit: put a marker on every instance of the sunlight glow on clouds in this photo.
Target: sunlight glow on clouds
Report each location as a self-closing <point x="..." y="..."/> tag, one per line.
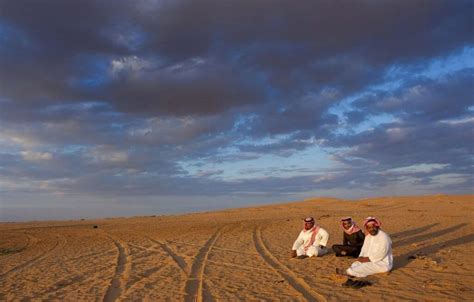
<point x="36" y="156"/>
<point x="185" y="104"/>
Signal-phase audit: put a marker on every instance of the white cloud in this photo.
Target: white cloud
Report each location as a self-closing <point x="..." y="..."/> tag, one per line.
<point x="449" y="179"/>
<point x="467" y="120"/>
<point x="132" y="66"/>
<point x="419" y="168"/>
<point x="36" y="156"/>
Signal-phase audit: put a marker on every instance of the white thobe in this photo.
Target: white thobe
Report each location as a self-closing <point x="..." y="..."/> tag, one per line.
<point x="379" y="250"/>
<point x="304" y="238"/>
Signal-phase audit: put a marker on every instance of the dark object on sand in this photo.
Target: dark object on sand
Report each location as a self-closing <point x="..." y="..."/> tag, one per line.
<point x="302" y="257"/>
<point x="348" y="283"/>
<point x="419" y="255"/>
<point x="356" y="283"/>
<point x="95" y="226"/>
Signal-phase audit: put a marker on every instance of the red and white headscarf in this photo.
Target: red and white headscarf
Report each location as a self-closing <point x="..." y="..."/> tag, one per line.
<point x="353" y="229"/>
<point x="372" y="219"/>
<point x="314" y="231"/>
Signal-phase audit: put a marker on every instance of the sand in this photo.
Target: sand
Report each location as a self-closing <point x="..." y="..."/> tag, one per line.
<point x="240" y="255"/>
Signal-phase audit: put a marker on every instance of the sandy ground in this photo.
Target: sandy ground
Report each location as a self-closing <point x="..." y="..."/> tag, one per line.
<point x="240" y="255"/>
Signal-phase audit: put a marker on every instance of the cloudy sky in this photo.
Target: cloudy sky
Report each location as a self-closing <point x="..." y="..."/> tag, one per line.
<point x="154" y="106"/>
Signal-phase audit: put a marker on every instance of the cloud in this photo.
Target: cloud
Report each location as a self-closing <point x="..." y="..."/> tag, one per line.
<point x="107" y="154"/>
<point x="36" y="156"/>
<point x="425" y="99"/>
<point x="166" y="98"/>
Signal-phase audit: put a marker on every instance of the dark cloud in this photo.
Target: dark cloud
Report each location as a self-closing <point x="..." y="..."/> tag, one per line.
<point x="404" y="144"/>
<point x="155" y="98"/>
<point x="290" y="48"/>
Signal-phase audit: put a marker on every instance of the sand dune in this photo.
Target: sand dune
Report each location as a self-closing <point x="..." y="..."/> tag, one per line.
<point x="240" y="254"/>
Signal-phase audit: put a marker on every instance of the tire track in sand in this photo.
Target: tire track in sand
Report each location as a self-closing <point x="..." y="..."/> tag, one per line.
<point x="157" y="246"/>
<point x="34" y="260"/>
<point x="29" y="240"/>
<point x="194" y="289"/>
<point x="177" y="259"/>
<point x="122" y="271"/>
<point x="293" y="280"/>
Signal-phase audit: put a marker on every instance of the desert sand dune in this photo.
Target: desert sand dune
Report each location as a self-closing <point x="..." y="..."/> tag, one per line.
<point x="240" y="254"/>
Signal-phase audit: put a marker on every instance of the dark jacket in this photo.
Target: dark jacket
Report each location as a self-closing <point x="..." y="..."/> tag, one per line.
<point x="355" y="239"/>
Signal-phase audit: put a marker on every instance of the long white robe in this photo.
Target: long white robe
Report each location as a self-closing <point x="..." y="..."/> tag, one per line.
<point x="304" y="238"/>
<point x="379" y="250"/>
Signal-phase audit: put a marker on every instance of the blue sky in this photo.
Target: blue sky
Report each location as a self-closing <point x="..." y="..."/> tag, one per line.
<point x="155" y="107"/>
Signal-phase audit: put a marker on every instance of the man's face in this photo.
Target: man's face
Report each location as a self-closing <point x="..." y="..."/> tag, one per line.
<point x="346" y="224"/>
<point x="372" y="228"/>
<point x="308" y="225"/>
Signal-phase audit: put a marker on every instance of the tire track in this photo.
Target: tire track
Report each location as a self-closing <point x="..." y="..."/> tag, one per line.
<point x="157" y="247"/>
<point x="34" y="260"/>
<point x="241" y="267"/>
<point x="86" y="256"/>
<point x="122" y="270"/>
<point x="178" y="259"/>
<point x="195" y="289"/>
<point x="392" y="207"/>
<point x="293" y="280"/>
<point x="214" y="248"/>
<point x="29" y="240"/>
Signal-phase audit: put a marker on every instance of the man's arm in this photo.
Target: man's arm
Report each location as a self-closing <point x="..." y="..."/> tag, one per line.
<point x="323" y="237"/>
<point x="298" y="242"/>
<point x="360" y="238"/>
<point x="363" y="259"/>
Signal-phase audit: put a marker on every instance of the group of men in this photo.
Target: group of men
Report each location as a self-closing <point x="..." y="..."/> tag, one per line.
<point x="372" y="247"/>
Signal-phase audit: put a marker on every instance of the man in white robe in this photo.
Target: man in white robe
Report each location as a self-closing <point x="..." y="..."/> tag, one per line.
<point x="311" y="241"/>
<point x="376" y="254"/>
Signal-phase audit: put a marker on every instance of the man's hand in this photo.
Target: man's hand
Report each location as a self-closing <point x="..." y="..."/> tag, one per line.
<point x="363" y="259"/>
<point x="293" y="253"/>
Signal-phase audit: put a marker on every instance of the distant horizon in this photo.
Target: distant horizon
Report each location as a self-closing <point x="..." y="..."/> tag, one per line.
<point x="126" y="213"/>
<point x="176" y="105"/>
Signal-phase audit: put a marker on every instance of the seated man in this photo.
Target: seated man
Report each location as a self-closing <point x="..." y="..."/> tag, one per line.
<point x="311" y="241"/>
<point x="376" y="255"/>
<point x="352" y="241"/>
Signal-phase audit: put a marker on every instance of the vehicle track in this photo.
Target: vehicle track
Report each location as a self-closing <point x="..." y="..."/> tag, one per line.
<point x="122" y="271"/>
<point x="156" y="247"/>
<point x="392" y="207"/>
<point x="34" y="260"/>
<point x="215" y="248"/>
<point x="195" y="290"/>
<point x="297" y="283"/>
<point x="178" y="259"/>
<point x="240" y="267"/>
<point x="87" y="256"/>
<point x="29" y="240"/>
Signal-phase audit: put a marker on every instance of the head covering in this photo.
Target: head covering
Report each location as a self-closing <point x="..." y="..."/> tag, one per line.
<point x="372" y="219"/>
<point x="353" y="229"/>
<point x="308" y="221"/>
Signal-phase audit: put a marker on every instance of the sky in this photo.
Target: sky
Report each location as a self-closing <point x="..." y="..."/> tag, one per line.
<point x="146" y="107"/>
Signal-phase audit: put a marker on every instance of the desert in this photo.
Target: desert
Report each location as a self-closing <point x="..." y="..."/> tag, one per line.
<point x="240" y="254"/>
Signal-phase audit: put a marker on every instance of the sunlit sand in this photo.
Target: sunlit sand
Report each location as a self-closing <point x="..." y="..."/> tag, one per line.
<point x="240" y="254"/>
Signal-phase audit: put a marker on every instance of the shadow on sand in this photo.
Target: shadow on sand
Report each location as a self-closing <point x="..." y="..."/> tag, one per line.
<point x="402" y="260"/>
<point x="428" y="236"/>
<point x="413" y="231"/>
